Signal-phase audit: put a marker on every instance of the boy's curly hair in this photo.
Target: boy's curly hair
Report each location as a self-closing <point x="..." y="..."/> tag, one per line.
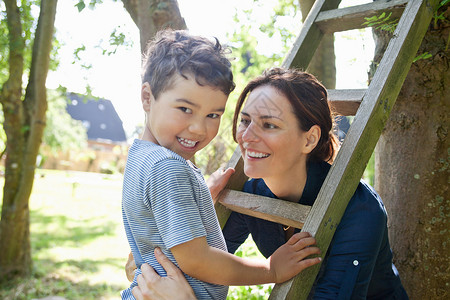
<point x="178" y="52"/>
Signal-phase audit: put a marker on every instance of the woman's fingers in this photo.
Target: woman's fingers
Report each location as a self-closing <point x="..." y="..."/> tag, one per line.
<point x="170" y="268"/>
<point x="136" y="291"/>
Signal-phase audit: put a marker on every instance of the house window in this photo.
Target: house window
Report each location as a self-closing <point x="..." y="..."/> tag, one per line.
<point x="86" y="124"/>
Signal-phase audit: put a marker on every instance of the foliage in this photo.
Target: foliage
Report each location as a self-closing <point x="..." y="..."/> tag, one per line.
<point x="92" y="3"/>
<point x="29" y="22"/>
<point x="253" y="292"/>
<point x="382" y="22"/>
<point x="62" y="133"/>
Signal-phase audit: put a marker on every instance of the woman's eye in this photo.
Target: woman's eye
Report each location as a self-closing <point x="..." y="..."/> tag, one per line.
<point x="245" y="122"/>
<point x="213" y="116"/>
<point x="186" y="110"/>
<point x="270" y="126"/>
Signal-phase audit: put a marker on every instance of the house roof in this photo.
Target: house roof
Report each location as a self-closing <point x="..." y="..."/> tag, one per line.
<point x="98" y="116"/>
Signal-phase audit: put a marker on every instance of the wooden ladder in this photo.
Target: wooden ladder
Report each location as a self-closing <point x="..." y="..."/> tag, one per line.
<point x="371" y="108"/>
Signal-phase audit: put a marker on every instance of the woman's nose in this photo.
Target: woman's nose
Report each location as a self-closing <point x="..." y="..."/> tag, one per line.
<point x="250" y="133"/>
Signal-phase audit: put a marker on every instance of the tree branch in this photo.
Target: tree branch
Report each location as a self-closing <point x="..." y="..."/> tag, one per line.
<point x="35" y="102"/>
<point x="132" y="8"/>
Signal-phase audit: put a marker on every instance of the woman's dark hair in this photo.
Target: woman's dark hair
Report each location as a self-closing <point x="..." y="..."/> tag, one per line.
<point x="178" y="52"/>
<point x="308" y="98"/>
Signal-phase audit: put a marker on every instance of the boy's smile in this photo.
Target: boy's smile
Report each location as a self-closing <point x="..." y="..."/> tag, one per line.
<point x="185" y="117"/>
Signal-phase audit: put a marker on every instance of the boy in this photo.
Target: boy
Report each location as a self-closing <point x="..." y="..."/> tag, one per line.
<point x="166" y="202"/>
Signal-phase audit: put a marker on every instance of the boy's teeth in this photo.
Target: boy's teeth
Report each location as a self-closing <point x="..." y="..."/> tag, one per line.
<point x="256" y="154"/>
<point x="186" y="142"/>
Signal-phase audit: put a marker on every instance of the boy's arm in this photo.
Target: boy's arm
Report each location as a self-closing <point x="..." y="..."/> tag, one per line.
<point x="199" y="260"/>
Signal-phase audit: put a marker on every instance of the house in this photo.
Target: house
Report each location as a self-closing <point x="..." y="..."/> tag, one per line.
<point x="107" y="142"/>
<point x="103" y="124"/>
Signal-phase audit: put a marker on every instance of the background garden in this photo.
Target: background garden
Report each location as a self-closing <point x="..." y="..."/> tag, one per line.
<point x="77" y="246"/>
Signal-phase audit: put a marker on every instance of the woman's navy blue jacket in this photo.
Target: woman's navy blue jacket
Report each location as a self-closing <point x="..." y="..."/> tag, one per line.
<point x="358" y="264"/>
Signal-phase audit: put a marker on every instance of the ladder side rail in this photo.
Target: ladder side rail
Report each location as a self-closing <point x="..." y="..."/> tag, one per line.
<point x="309" y="37"/>
<point x="348" y="168"/>
<point x="349" y="18"/>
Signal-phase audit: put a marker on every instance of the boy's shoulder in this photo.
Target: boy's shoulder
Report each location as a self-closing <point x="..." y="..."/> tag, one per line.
<point x="153" y="153"/>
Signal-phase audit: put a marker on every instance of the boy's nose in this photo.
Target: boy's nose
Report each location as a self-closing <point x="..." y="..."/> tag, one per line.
<point x="198" y="127"/>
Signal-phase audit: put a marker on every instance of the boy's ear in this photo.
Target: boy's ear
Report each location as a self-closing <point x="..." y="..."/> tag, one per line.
<point x="146" y="96"/>
<point x="312" y="138"/>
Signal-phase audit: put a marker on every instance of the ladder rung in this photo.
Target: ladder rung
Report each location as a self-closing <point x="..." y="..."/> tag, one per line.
<point x="275" y="210"/>
<point x="346" y="102"/>
<point x="348" y="18"/>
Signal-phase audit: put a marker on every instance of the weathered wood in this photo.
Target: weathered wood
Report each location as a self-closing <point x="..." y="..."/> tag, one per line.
<point x="275" y="210"/>
<point x="363" y="135"/>
<point x="349" y="18"/>
<point x="309" y="38"/>
<point x="236" y="182"/>
<point x="346" y="102"/>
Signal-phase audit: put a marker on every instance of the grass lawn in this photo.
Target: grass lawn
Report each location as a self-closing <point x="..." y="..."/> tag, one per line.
<point x="79" y="246"/>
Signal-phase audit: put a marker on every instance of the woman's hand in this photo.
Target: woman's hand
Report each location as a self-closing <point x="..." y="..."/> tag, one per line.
<point x="152" y="286"/>
<point x="130" y="267"/>
<point x="217" y="181"/>
<point x="290" y="259"/>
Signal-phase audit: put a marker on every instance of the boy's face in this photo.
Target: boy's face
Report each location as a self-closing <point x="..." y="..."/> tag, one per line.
<point x="185" y="117"/>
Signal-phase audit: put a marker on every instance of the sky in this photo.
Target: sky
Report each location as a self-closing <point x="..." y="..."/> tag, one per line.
<point x="116" y="77"/>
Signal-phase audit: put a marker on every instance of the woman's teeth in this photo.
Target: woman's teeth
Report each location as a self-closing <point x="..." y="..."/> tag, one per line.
<point x="187" y="143"/>
<point x="256" y="154"/>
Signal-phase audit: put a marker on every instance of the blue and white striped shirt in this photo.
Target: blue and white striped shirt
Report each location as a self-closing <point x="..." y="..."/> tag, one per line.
<point x="166" y="202"/>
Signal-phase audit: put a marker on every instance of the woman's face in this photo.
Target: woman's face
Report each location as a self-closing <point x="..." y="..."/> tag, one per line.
<point x="269" y="136"/>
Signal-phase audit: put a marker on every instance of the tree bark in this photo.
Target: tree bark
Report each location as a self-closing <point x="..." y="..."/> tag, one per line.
<point x="323" y="63"/>
<point x="24" y="125"/>
<point x="411" y="170"/>
<point x="150" y="16"/>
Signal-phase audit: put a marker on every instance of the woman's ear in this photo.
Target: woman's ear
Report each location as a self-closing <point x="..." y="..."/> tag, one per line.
<point x="312" y="138"/>
<point x="146" y="96"/>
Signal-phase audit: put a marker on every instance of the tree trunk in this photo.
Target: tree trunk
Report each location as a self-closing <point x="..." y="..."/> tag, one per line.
<point x="150" y="16"/>
<point x="323" y="64"/>
<point x="24" y="125"/>
<point x="411" y="170"/>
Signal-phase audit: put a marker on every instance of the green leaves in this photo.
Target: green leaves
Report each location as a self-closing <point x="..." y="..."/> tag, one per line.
<point x="425" y="55"/>
<point x="80" y="5"/>
<point x="382" y="22"/>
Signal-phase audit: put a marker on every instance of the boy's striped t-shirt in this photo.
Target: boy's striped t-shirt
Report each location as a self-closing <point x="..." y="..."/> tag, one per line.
<point x="166" y="202"/>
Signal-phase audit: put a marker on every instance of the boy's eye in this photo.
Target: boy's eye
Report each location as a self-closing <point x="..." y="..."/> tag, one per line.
<point x="213" y="116"/>
<point x="186" y="110"/>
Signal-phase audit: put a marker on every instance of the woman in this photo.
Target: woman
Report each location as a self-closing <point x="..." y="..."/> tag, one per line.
<point x="286" y="140"/>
